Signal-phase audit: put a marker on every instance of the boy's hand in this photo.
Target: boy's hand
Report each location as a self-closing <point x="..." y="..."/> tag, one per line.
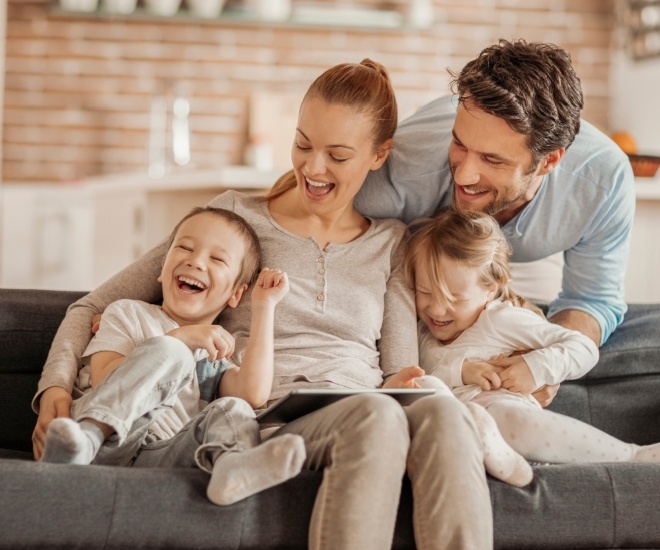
<point x="213" y="338"/>
<point x="515" y="375"/>
<point x="55" y="402"/>
<point x="405" y="378"/>
<point x="271" y="286"/>
<point x="482" y="373"/>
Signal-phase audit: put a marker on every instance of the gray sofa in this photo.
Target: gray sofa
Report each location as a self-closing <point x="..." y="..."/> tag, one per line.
<point x="566" y="506"/>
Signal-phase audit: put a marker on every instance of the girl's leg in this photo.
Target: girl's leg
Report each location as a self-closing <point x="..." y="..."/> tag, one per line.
<point x="223" y="440"/>
<point x="361" y="444"/>
<point x="500" y="460"/>
<point x="126" y="402"/>
<point x="452" y="508"/>
<point x="544" y="436"/>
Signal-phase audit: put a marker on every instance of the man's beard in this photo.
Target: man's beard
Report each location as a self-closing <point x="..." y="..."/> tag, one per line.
<point x="499" y="202"/>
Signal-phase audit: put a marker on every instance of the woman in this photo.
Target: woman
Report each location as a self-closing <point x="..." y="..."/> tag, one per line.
<point x="348" y="321"/>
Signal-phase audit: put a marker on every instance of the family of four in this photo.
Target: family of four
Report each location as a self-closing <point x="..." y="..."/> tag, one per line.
<point x="352" y="297"/>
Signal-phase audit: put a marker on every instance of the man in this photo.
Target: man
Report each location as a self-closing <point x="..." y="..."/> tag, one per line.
<point x="512" y="144"/>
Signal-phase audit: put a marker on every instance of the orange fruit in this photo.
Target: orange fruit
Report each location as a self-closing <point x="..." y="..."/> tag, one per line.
<point x="625" y="141"/>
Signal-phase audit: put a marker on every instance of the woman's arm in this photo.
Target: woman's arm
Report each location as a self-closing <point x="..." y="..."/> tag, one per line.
<point x="398" y="342"/>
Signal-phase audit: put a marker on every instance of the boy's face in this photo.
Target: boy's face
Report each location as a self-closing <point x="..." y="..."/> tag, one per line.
<point x="200" y="270"/>
<point x="447" y="320"/>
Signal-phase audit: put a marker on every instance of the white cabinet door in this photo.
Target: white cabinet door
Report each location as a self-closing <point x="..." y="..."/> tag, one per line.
<point x="46" y="237"/>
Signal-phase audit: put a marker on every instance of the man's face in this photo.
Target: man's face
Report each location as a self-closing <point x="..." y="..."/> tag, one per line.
<point x="491" y="164"/>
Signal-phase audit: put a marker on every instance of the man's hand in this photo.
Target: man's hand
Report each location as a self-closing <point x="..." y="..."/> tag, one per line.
<point x="405" y="378"/>
<point x="55" y="402"/>
<point x="213" y="338"/>
<point x="545" y="394"/>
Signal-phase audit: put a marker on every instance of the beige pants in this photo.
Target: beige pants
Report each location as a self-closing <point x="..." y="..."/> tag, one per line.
<point x="366" y="443"/>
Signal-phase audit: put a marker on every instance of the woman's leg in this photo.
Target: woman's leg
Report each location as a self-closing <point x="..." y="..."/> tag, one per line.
<point x="544" y="436"/>
<point x="452" y="508"/>
<point x="361" y="444"/>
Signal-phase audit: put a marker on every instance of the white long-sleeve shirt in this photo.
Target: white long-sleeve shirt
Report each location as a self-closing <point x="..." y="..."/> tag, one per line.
<point x="557" y="354"/>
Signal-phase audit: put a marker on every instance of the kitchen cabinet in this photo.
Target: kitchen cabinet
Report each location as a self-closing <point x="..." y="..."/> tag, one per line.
<point x="76" y="236"/>
<point x="643" y="271"/>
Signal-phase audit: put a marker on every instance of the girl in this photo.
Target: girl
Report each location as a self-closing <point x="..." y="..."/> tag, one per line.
<point x="471" y="324"/>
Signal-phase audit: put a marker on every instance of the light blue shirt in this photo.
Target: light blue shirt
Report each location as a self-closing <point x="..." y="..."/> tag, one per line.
<point x="585" y="207"/>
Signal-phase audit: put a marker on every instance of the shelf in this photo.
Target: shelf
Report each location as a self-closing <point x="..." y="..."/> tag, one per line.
<point x="647" y="188"/>
<point x="345" y="18"/>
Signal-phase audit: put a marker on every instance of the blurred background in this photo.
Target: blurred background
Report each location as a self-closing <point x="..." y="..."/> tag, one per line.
<point x="119" y="115"/>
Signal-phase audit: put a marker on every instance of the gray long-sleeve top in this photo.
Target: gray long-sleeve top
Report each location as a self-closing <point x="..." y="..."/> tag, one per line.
<point x="348" y="321"/>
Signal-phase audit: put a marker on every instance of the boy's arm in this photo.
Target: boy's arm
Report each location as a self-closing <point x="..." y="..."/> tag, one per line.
<point x="253" y="381"/>
<point x="103" y="363"/>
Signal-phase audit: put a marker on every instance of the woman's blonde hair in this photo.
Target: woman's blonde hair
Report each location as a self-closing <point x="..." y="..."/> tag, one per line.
<point x="473" y="239"/>
<point x="364" y="86"/>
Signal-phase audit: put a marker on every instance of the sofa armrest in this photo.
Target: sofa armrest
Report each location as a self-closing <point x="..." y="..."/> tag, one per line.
<point x="29" y="320"/>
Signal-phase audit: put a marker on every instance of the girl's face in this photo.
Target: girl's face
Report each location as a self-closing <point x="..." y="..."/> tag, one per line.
<point x="332" y="153"/>
<point x="447" y="320"/>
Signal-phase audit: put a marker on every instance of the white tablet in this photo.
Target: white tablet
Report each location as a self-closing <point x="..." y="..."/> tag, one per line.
<point x="300" y="402"/>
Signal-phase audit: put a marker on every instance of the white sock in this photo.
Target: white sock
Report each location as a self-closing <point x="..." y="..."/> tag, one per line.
<point x="238" y="475"/>
<point x="70" y="442"/>
<point x="648" y="453"/>
<point x="500" y="460"/>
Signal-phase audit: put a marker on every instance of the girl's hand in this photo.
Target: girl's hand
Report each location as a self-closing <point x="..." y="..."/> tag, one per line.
<point x="515" y="375"/>
<point x="213" y="338"/>
<point x="484" y="374"/>
<point x="405" y="378"/>
<point x="271" y="286"/>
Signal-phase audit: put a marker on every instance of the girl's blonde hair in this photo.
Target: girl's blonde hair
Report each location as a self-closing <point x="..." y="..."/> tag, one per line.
<point x="364" y="86"/>
<point x="473" y="239"/>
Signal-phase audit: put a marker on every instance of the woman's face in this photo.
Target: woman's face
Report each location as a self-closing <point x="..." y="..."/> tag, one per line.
<point x="332" y="153"/>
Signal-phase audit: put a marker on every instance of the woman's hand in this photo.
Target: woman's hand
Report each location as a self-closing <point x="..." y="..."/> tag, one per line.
<point x="55" y="402"/>
<point x="545" y="394"/>
<point x="405" y="378"/>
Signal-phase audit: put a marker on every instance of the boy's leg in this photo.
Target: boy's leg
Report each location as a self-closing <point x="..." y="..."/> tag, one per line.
<point x="223" y="440"/>
<point x="545" y="436"/>
<point x="127" y="402"/>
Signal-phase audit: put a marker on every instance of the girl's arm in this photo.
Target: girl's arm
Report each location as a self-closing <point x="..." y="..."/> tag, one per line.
<point x="253" y="380"/>
<point x="557" y="354"/>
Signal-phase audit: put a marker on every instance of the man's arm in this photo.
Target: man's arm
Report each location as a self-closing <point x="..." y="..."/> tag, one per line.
<point x="579" y="320"/>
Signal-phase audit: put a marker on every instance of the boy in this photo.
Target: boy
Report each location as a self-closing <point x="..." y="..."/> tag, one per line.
<point x="141" y="402"/>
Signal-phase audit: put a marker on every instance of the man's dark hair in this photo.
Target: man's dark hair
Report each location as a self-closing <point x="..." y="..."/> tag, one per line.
<point x="532" y="87"/>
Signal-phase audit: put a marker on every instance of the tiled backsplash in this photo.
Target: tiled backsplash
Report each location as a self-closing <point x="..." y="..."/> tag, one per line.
<point x="79" y="88"/>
